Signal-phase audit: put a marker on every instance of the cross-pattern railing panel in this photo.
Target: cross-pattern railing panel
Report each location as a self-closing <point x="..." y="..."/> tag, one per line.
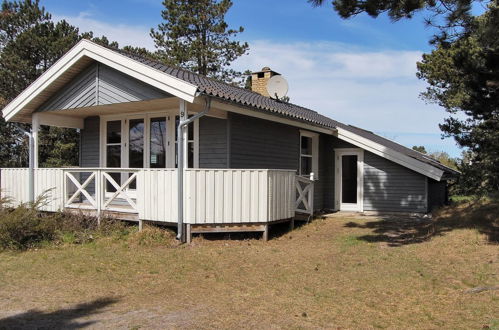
<point x="101" y="189"/>
<point x="305" y="195"/>
<point x="122" y="197"/>
<point x="81" y="189"/>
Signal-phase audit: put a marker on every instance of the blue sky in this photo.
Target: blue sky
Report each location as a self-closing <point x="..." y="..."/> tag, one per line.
<point x="359" y="71"/>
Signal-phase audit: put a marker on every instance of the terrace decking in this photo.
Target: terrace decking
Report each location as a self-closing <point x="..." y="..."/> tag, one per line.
<point x="224" y="200"/>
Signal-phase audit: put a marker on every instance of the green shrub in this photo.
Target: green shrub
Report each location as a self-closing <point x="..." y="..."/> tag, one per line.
<point x="24" y="226"/>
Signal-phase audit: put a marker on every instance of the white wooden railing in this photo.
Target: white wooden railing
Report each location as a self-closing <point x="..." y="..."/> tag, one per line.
<point x="210" y="195"/>
<point x="100" y="190"/>
<point x="305" y="195"/>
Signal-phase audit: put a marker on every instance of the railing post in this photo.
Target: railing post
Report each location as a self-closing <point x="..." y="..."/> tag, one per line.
<point x="98" y="194"/>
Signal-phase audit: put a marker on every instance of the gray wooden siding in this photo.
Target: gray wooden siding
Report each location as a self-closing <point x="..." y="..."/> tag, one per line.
<point x="324" y="186"/>
<point x="391" y="187"/>
<point x="262" y="144"/>
<point x="213" y="143"/>
<point x="89" y="143"/>
<point x="100" y="85"/>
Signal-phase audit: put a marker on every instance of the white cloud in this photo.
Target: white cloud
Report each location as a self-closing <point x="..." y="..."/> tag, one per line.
<point x="375" y="90"/>
<point x="124" y="34"/>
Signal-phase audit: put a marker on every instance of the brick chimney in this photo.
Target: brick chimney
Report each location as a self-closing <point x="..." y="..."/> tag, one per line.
<point x="259" y="80"/>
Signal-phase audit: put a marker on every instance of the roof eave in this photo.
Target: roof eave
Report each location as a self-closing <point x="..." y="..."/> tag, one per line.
<point x="127" y="65"/>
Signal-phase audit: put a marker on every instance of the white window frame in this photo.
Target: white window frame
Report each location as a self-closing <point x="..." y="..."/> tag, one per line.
<point x="338" y="205"/>
<point x="195" y="136"/>
<point x="314" y="155"/>
<point x="125" y="118"/>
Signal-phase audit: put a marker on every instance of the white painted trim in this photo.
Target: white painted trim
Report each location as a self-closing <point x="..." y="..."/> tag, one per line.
<point x="170" y="122"/>
<point x="315" y="152"/>
<point x="392" y="155"/>
<point x="35" y="127"/>
<point x="338" y="205"/>
<point x="122" y="63"/>
<point x="52" y="119"/>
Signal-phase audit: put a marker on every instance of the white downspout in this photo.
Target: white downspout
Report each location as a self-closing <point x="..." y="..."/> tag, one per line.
<point x="31" y="153"/>
<point x="180" y="166"/>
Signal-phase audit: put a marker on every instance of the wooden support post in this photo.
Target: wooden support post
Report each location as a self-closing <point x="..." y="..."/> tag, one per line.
<point x="188" y="233"/>
<point x="292" y="224"/>
<point x="141" y="224"/>
<point x="35" y="127"/>
<point x="265" y="235"/>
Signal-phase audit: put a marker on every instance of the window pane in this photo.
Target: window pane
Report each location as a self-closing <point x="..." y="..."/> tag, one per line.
<point x="306" y="145"/>
<point x="136" y="143"/>
<point x="306" y="165"/>
<point x="349" y="179"/>
<point x="158" y="143"/>
<point x="113" y="156"/>
<point x="114" y="131"/>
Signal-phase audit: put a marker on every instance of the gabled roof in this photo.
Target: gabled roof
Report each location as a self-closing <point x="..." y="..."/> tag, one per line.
<point x="74" y="61"/>
<point x="187" y="85"/>
<point x="249" y="98"/>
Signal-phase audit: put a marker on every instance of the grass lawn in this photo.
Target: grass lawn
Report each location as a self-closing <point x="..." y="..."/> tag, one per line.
<point x="339" y="272"/>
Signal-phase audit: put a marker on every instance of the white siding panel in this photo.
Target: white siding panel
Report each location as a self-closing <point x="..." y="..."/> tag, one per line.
<point x="157" y="194"/>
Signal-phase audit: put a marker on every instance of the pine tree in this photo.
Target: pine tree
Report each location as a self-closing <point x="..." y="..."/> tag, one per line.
<point x="195" y="36"/>
<point x="30" y="42"/>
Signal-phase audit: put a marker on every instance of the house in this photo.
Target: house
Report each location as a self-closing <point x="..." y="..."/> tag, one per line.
<point x="246" y="160"/>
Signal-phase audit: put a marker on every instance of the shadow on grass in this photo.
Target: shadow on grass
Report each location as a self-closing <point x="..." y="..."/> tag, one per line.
<point x="400" y="230"/>
<point x="60" y="319"/>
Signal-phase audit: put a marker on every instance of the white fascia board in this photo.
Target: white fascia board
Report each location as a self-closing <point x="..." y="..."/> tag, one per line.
<point x="51" y="119"/>
<point x="140" y="71"/>
<point x="392" y="155"/>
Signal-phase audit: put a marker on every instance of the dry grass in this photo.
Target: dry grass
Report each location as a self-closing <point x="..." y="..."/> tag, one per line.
<point x="355" y="272"/>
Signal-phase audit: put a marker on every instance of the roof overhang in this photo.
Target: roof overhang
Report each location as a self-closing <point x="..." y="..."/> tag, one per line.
<point x="390" y="154"/>
<point x="85" y="51"/>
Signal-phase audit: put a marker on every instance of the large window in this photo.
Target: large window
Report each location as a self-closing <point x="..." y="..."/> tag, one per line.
<point x="309" y="154"/>
<point x="158" y="142"/>
<point x="145" y="140"/>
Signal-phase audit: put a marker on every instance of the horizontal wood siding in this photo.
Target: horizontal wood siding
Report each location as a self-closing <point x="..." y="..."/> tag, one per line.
<point x="258" y="143"/>
<point x="391" y="187"/>
<point x="212" y="143"/>
<point x="89" y="142"/>
<point x="324" y="186"/>
<point x="100" y="85"/>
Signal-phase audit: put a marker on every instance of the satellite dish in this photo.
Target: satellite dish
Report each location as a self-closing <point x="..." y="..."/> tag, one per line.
<point x="277" y="87"/>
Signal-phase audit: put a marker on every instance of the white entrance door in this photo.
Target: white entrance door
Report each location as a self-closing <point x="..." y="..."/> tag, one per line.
<point x="349" y="179"/>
